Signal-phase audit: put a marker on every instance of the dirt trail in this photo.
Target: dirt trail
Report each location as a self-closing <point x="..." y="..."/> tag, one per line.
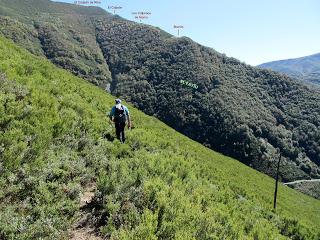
<point x="302" y="181"/>
<point x="82" y="229"/>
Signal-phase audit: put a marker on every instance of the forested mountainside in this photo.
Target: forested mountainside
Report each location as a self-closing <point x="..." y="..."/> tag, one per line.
<point x="61" y="32"/>
<point x="55" y="140"/>
<point x="239" y="110"/>
<point x="306" y="68"/>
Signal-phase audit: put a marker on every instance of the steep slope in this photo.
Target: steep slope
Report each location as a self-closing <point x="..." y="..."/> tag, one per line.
<point x="159" y="185"/>
<point x="239" y="110"/>
<point x="304" y="68"/>
<point x="61" y="32"/>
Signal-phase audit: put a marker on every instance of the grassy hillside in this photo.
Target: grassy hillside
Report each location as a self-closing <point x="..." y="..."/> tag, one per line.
<point x="55" y="138"/>
<point x="236" y="109"/>
<point x="305" y="68"/>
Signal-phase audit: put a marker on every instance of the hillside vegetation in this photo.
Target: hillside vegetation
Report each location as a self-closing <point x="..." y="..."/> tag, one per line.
<point x="306" y="69"/>
<point x="244" y="112"/>
<point x="55" y="138"/>
<point x="61" y="32"/>
<point x="310" y="188"/>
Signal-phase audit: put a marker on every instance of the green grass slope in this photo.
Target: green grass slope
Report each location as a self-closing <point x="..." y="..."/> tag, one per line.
<point x="244" y="112"/>
<point x="55" y="138"/>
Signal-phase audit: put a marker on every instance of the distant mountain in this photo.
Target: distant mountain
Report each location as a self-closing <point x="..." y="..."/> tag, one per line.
<point x="242" y="111"/>
<point x="304" y="68"/>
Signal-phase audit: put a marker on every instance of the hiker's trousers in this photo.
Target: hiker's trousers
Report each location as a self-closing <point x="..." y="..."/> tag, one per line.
<point x="120" y="131"/>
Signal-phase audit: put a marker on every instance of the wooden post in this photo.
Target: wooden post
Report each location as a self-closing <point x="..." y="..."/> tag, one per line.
<point x="276" y="188"/>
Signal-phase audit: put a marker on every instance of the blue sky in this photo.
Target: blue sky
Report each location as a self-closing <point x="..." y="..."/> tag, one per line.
<point x="252" y="31"/>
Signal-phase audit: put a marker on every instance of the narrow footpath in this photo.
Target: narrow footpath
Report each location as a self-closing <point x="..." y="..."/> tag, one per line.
<point x="302" y="181"/>
<point x="82" y="229"/>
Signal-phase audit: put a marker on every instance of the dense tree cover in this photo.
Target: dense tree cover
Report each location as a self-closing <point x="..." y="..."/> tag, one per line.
<point x="55" y="138"/>
<point x="310" y="188"/>
<point x="75" y="52"/>
<point x="306" y="68"/>
<point x="20" y="33"/>
<point x="72" y="48"/>
<point x="239" y="110"/>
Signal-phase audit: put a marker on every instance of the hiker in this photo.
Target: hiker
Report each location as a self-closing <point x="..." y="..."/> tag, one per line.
<point x="120" y="115"/>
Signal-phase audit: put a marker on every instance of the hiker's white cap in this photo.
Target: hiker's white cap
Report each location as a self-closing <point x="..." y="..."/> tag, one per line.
<point x="118" y="106"/>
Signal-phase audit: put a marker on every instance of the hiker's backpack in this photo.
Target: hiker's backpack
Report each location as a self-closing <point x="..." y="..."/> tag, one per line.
<point x="120" y="115"/>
